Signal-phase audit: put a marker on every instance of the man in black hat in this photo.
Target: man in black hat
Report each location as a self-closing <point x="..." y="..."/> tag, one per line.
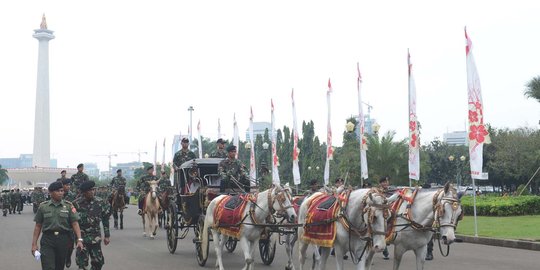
<point x="183" y="154"/>
<point x="78" y="178"/>
<point x="220" y="151"/>
<point x="56" y="218"/>
<point x="118" y="183"/>
<point x="313" y="187"/>
<point x="93" y="212"/>
<point x="143" y="187"/>
<point x="233" y="172"/>
<point x="62" y="176"/>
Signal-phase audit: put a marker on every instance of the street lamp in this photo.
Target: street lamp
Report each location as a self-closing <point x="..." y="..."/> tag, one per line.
<point x="248" y="145"/>
<point x="349" y="127"/>
<point x="376" y="127"/>
<point x="190" y="109"/>
<point x="451" y="158"/>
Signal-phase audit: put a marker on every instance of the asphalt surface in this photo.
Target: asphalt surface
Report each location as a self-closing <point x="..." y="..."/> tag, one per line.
<point x="129" y="250"/>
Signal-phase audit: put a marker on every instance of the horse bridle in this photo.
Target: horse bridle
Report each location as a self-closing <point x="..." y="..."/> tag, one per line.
<point x="281" y="196"/>
<point x="439" y="210"/>
<point x="371" y="209"/>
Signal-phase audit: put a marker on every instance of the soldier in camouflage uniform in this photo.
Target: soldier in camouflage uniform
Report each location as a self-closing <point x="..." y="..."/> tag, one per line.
<point x="164" y="183"/>
<point x="69" y="196"/>
<point x="232" y="168"/>
<point x="37" y="198"/>
<point x="183" y="154"/>
<point x="5" y="202"/>
<point x="118" y="183"/>
<point x="62" y="176"/>
<point x="220" y="151"/>
<point x="78" y="178"/>
<point x="92" y="211"/>
<point x="143" y="187"/>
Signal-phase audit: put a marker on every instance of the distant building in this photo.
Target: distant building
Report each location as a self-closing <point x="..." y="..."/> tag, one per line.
<point x="128" y="169"/>
<point x="30" y="177"/>
<point x="91" y="169"/>
<point x="23" y="161"/>
<point x="455" y="138"/>
<point x="259" y="128"/>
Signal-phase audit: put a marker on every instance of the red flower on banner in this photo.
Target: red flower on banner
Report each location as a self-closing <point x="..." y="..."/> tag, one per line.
<point x="412" y="125"/>
<point x="478" y="133"/>
<point x="413" y="140"/>
<point x="364" y="141"/>
<point x="473" y="116"/>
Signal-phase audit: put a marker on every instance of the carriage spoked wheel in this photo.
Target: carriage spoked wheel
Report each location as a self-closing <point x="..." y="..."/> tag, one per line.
<point x="267" y="249"/>
<point x="172" y="228"/>
<point x="230" y="245"/>
<point x="198" y="241"/>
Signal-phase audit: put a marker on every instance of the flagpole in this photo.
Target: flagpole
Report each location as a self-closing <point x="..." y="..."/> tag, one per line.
<point x="409" y="97"/>
<point x="296" y="168"/>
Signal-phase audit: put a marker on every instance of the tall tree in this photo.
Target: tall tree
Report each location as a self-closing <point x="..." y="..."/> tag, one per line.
<point x="533" y="88"/>
<point x="3" y="175"/>
<point x="388" y="158"/>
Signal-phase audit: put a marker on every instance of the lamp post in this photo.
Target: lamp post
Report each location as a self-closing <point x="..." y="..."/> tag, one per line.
<point x="376" y="127"/>
<point x="459" y="162"/>
<point x="265" y="146"/>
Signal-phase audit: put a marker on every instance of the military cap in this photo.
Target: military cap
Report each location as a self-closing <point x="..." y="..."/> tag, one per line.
<point x="185" y="140"/>
<point x="66" y="182"/>
<point x="339" y="180"/>
<point x="231" y="148"/>
<point x="384" y="179"/>
<point x="87" y="185"/>
<point x="63" y="171"/>
<point x="313" y="182"/>
<point x="55" y="186"/>
<point x="220" y="140"/>
<point x="149" y="167"/>
<point x="119" y="170"/>
<point x="80" y="165"/>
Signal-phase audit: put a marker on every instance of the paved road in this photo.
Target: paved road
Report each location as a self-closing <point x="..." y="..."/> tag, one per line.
<point x="130" y="251"/>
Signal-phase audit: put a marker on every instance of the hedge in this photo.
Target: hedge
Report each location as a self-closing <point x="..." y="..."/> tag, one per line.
<point x="502" y="206"/>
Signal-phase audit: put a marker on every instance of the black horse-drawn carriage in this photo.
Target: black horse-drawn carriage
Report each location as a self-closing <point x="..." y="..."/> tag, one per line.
<point x="196" y="183"/>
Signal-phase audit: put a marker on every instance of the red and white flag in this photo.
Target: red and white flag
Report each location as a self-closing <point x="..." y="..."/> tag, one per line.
<point x="414" y="134"/>
<point x="155" y="159"/>
<point x="296" y="150"/>
<point x="478" y="134"/>
<point x="363" y="140"/>
<point x="218" y="128"/>
<point x="199" y="138"/>
<point x="236" y="138"/>
<point x="329" y="149"/>
<point x="252" y="168"/>
<point x="275" y="159"/>
<point x="163" y="159"/>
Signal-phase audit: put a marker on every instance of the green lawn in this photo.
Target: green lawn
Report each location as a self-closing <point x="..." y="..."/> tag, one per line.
<point x="517" y="227"/>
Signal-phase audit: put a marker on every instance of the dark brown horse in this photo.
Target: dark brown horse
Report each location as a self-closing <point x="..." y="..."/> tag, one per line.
<point x="164" y="201"/>
<point x="118" y="203"/>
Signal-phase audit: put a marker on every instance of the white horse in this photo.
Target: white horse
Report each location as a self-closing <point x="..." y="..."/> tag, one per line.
<point x="263" y="205"/>
<point x="151" y="210"/>
<point x="363" y="219"/>
<point x="432" y="210"/>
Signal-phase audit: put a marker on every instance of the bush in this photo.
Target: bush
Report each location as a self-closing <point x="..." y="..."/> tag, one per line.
<point x="502" y="206"/>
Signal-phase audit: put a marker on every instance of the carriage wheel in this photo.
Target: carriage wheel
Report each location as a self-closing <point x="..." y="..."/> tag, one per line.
<point x="172" y="228"/>
<point x="230" y="245"/>
<point x="267" y="249"/>
<point x="198" y="243"/>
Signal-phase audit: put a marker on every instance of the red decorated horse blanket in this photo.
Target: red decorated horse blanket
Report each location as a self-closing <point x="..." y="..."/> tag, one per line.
<point x="229" y="214"/>
<point x="320" y="228"/>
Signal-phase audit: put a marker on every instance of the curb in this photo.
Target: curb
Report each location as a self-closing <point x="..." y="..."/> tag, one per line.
<point x="508" y="243"/>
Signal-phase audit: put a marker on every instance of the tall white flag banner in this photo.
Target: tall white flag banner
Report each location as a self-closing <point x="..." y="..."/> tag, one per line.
<point x="236" y="139"/>
<point x="163" y="159"/>
<point x="218" y="128"/>
<point x="155" y="159"/>
<point x="362" y="120"/>
<point x="275" y="159"/>
<point x="199" y="139"/>
<point x="414" y="134"/>
<point x="478" y="134"/>
<point x="296" y="150"/>
<point x="252" y="168"/>
<point x="329" y="149"/>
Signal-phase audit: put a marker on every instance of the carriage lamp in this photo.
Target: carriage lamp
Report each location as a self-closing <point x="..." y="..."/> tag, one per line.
<point x="265" y="146"/>
<point x="349" y="126"/>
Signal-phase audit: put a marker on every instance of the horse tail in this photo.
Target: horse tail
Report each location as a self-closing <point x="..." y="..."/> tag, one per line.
<point x="204" y="238"/>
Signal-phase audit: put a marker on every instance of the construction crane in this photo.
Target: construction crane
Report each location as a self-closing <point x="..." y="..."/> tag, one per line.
<point x="138" y="153"/>
<point x="109" y="156"/>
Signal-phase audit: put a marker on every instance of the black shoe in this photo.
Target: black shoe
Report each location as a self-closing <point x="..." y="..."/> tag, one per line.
<point x="68" y="262"/>
<point x="333" y="252"/>
<point x="345" y="257"/>
<point x="429" y="257"/>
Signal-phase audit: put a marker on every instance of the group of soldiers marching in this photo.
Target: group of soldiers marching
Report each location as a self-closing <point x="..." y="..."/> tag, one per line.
<point x="13" y="201"/>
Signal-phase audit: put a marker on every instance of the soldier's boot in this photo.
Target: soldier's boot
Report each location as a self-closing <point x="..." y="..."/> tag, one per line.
<point x="385" y="253"/>
<point x="68" y="257"/>
<point x="116" y="223"/>
<point x="429" y="256"/>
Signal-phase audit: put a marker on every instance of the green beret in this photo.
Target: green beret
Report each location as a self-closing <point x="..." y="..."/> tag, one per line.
<point x="149" y="167"/>
<point x="80" y="165"/>
<point x="186" y="140"/>
<point x="55" y="186"/>
<point x="66" y="182"/>
<point x="231" y="148"/>
<point x="87" y="185"/>
<point x="220" y="140"/>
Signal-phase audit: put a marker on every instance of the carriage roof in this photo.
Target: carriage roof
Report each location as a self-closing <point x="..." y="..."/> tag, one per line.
<point x="201" y="162"/>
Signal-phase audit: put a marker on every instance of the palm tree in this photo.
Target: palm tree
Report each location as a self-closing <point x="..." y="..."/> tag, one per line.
<point x="3" y="175"/>
<point x="387" y="158"/>
<point x="533" y="88"/>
